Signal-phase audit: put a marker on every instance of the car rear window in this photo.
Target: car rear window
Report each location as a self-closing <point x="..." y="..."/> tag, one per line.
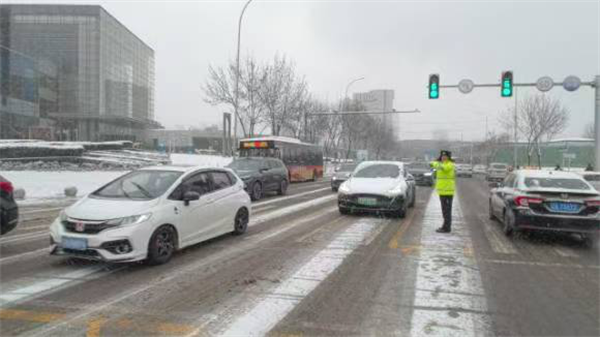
<point x="560" y="183"/>
<point x="499" y="167"/>
<point x="592" y="177"/>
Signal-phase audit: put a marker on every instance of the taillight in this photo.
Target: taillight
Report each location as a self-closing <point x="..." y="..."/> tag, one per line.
<point x="526" y="201"/>
<point x="6" y="187"/>
<point x="592" y="203"/>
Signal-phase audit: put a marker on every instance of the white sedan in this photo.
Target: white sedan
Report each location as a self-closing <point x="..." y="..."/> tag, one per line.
<point x="151" y="213"/>
<point x="377" y="186"/>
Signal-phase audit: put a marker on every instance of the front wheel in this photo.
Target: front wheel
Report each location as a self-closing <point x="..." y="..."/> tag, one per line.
<point x="241" y="222"/>
<point x="283" y="186"/>
<point x="344" y="211"/>
<point x="257" y="191"/>
<point x="162" y="245"/>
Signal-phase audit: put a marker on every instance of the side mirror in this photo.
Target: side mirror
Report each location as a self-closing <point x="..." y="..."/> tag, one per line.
<point x="410" y="178"/>
<point x="263" y="170"/>
<point x="190" y="196"/>
<point x="495" y="185"/>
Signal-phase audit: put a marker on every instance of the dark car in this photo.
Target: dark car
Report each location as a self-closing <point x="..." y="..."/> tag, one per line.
<point x="9" y="211"/>
<point x="261" y="175"/>
<point x="342" y="173"/>
<point x="422" y="172"/>
<point x="546" y="201"/>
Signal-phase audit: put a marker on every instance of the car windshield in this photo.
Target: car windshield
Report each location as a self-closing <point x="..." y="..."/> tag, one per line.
<point x="418" y="166"/>
<point x="499" y="166"/>
<point x="378" y="171"/>
<point x="346" y="167"/>
<point x="560" y="183"/>
<point x="592" y="177"/>
<point x="245" y="165"/>
<point x="141" y="185"/>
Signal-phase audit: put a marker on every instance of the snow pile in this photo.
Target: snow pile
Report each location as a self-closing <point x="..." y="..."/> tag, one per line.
<point x="200" y="160"/>
<point x="50" y="186"/>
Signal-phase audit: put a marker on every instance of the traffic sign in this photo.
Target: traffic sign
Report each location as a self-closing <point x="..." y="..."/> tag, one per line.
<point x="544" y="83"/>
<point x="466" y="86"/>
<point x="571" y="83"/>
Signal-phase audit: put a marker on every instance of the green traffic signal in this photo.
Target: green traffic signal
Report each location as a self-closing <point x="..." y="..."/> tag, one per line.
<point x="507" y="84"/>
<point x="434" y="86"/>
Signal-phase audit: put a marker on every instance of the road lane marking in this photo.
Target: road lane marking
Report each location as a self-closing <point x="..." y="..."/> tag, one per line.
<point x="290" y="210"/>
<point x="276" y="304"/>
<point x="94" y="326"/>
<point x="278" y="199"/>
<point x="398" y="236"/>
<point x="30" y="316"/>
<point x="24" y="237"/>
<point x="565" y="251"/>
<point x="12" y="296"/>
<point x="499" y="243"/>
<point x="448" y="281"/>
<point x="542" y="264"/>
<point x="12" y="258"/>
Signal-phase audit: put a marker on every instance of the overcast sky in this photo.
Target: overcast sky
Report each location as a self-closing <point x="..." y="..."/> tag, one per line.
<point x="393" y="44"/>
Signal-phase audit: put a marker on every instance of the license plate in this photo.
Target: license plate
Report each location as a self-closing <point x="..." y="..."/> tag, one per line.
<point x="566" y="207"/>
<point x="74" y="243"/>
<point x="367" y="201"/>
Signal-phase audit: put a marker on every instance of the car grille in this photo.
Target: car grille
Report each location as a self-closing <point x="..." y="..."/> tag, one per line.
<point x="88" y="227"/>
<point x="86" y="253"/>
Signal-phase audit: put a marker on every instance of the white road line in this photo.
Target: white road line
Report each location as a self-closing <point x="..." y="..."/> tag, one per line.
<point x="50" y="283"/>
<point x="266" y="202"/>
<point x="262" y="209"/>
<point x="290" y="209"/>
<point x="543" y="264"/>
<point x="499" y="242"/>
<point x="448" y="281"/>
<point x="42" y="210"/>
<point x="25" y="237"/>
<point x="565" y="252"/>
<point x="287" y="227"/>
<point x="276" y="304"/>
<point x="13" y="258"/>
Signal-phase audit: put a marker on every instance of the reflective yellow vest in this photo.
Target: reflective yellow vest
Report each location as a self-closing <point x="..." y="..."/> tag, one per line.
<point x="445" y="178"/>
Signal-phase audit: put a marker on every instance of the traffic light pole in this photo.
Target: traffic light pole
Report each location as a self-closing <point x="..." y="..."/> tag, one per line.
<point x="594" y="84"/>
<point x="597" y="123"/>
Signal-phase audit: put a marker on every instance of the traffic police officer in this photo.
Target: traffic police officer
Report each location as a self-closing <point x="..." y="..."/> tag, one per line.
<point x="445" y="185"/>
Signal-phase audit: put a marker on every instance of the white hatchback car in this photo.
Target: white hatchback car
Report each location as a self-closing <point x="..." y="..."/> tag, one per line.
<point x="151" y="213"/>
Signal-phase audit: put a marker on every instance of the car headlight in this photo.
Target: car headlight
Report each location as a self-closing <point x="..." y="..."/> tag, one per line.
<point x="129" y="220"/>
<point x="344" y="188"/>
<point x="334" y="178"/>
<point x="396" y="190"/>
<point x="428" y="174"/>
<point x="62" y="216"/>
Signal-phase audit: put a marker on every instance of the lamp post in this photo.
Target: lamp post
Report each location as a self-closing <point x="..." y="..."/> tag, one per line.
<point x="237" y="77"/>
<point x="349" y="84"/>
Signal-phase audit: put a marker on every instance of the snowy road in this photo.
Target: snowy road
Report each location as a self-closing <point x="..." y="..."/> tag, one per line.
<point x="305" y="270"/>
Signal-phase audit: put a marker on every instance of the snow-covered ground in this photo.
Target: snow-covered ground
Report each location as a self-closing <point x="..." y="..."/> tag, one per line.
<point x="48" y="187"/>
<point x="200" y="160"/>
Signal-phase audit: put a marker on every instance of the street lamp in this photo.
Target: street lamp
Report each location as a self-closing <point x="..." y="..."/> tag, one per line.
<point x="350" y="83"/>
<point x="237" y="76"/>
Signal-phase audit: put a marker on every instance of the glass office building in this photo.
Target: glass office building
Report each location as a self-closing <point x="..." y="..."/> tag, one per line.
<point x="91" y="75"/>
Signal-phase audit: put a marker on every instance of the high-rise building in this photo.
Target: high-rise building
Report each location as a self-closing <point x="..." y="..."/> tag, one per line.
<point x="76" y="66"/>
<point x="379" y="100"/>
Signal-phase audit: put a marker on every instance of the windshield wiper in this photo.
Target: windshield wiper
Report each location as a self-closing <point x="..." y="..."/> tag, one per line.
<point x="141" y="189"/>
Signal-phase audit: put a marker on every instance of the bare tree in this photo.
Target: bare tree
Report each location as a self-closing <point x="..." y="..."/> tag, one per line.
<point x="275" y="92"/>
<point x="494" y="143"/>
<point x="589" y="131"/>
<point x="540" y="118"/>
<point x="220" y="90"/>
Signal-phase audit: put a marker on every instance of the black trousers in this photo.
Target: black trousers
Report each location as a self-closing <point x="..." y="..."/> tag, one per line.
<point x="447" y="210"/>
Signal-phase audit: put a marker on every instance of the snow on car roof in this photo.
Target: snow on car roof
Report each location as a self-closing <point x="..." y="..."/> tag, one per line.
<point x="548" y="174"/>
<point x="181" y="168"/>
<point x="377" y="162"/>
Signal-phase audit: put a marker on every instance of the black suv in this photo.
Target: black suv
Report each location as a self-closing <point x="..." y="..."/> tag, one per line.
<point x="9" y="212"/>
<point x="261" y="175"/>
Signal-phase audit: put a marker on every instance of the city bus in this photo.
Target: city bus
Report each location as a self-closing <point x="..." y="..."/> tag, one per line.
<point x="304" y="161"/>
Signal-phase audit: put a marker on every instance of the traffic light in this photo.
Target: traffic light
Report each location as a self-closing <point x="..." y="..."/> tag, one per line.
<point x="434" y="86"/>
<point x="507" y="84"/>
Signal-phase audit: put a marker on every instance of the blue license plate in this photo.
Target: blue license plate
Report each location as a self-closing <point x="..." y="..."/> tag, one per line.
<point x="74" y="243"/>
<point x="565" y="207"/>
